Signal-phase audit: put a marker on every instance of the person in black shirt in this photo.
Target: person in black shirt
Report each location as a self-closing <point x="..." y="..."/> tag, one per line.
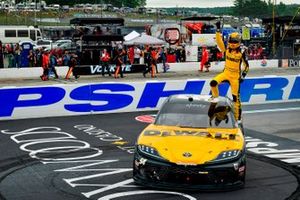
<point x="32" y="59"/>
<point x="118" y="61"/>
<point x="147" y="60"/>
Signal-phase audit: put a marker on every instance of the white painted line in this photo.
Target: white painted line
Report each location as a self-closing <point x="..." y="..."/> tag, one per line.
<point x="194" y="79"/>
<point x="270" y="110"/>
<point x="7" y="87"/>
<point x="270" y="76"/>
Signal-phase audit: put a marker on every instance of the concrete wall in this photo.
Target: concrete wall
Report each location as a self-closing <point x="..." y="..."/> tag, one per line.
<point x="34" y="72"/>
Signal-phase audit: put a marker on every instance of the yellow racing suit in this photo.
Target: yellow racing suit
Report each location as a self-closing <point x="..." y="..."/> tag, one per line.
<point x="231" y="73"/>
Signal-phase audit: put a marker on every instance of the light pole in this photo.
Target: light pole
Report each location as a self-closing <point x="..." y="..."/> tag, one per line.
<point x="273" y="30"/>
<point x="35" y="12"/>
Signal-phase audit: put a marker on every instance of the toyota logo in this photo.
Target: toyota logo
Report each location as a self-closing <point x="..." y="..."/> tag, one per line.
<point x="187" y="154"/>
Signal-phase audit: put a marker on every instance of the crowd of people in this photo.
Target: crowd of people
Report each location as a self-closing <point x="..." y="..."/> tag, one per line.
<point x="118" y="56"/>
<point x="34" y="58"/>
<point x="255" y="51"/>
<point x="147" y="56"/>
<point x="45" y="59"/>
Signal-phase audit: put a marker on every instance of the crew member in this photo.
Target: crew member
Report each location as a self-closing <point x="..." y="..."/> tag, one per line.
<point x="72" y="65"/>
<point x="105" y="57"/>
<point x="45" y="66"/>
<point x="153" y="58"/>
<point x="232" y="72"/>
<point x="119" y="61"/>
<point x="147" y="61"/>
<point x="204" y="59"/>
<point x="52" y="64"/>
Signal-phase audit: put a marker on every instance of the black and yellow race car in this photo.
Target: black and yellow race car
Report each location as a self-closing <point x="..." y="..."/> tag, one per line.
<point x="193" y="144"/>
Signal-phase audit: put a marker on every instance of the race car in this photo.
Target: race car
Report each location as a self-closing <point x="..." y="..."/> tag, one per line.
<point x="194" y="144"/>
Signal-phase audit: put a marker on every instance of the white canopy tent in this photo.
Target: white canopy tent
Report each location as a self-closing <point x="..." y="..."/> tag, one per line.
<point x="131" y="36"/>
<point x="144" y="39"/>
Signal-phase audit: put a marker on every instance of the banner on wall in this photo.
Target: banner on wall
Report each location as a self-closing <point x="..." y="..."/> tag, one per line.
<point x="208" y="40"/>
<point x="97" y="69"/>
<point x="294" y="62"/>
<point x="110" y="97"/>
<point x="285" y="63"/>
<point x="245" y="33"/>
<point x="191" y="53"/>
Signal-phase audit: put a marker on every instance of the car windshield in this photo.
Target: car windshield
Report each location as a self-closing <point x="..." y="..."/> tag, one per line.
<point x="196" y="115"/>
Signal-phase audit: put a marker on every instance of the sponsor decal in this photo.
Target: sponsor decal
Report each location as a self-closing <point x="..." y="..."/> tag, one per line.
<point x="125" y="97"/>
<point x="99" y="133"/>
<point x="285" y="63"/>
<point x="294" y="63"/>
<point x="233" y="59"/>
<point x="97" y="69"/>
<point x="176" y="133"/>
<point x="106" y="136"/>
<point x="172" y="35"/>
<point x="146" y="118"/>
<point x="187" y="154"/>
<point x="264" y="63"/>
<point x="241" y="169"/>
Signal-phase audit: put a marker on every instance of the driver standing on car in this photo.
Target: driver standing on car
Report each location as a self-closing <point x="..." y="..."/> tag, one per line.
<point x="234" y="57"/>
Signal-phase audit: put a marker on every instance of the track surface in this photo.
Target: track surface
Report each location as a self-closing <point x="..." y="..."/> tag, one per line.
<point x="52" y="158"/>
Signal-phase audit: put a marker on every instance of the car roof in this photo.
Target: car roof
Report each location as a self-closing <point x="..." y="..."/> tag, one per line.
<point x="187" y="98"/>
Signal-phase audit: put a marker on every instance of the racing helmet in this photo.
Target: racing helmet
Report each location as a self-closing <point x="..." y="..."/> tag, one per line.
<point x="234" y="40"/>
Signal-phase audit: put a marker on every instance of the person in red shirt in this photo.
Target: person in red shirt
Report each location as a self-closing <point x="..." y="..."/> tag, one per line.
<point x="204" y="58"/>
<point x="45" y="66"/>
<point x="131" y="55"/>
<point x="105" y="58"/>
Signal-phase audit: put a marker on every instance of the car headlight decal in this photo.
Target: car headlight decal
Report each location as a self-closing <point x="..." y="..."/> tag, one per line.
<point x="151" y="151"/>
<point x="227" y="155"/>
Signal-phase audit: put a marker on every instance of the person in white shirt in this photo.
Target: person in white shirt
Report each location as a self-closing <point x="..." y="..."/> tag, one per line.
<point x="137" y="55"/>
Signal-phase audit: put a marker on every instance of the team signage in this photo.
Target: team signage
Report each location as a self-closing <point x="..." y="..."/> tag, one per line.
<point x="97" y="69"/>
<point x="58" y="100"/>
<point x="289" y="63"/>
<point x="294" y="63"/>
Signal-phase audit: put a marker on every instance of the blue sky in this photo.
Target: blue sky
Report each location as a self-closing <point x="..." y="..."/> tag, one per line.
<point x="200" y="3"/>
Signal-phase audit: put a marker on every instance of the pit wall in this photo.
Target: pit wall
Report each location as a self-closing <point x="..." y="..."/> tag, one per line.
<point x="110" y="97"/>
<point x="35" y="72"/>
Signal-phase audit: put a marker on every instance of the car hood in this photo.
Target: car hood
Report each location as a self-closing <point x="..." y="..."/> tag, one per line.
<point x="191" y="146"/>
